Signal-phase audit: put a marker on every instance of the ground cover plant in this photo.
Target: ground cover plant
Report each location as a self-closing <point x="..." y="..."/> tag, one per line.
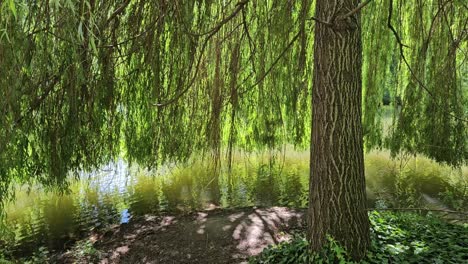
<point x="395" y="238"/>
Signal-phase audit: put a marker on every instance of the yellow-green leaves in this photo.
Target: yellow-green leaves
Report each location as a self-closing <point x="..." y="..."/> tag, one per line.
<point x="12" y="7"/>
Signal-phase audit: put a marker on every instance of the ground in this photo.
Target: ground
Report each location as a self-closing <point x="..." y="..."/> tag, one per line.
<point x="211" y="236"/>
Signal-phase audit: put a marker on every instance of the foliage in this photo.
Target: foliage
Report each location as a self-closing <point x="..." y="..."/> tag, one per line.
<point x="297" y="251"/>
<point x="455" y="198"/>
<point x="3" y="259"/>
<point x="164" y="80"/>
<point x="396" y="238"/>
<point x="413" y="238"/>
<point x="402" y="181"/>
<point x="85" y="250"/>
<point x="40" y="256"/>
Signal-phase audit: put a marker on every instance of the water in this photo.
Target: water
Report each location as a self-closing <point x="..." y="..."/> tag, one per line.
<point x="116" y="193"/>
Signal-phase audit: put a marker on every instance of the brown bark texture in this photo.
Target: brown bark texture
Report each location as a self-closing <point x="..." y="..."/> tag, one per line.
<point x="337" y="197"/>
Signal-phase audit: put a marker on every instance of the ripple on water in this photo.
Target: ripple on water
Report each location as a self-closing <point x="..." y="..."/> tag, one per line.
<point x="115" y="193"/>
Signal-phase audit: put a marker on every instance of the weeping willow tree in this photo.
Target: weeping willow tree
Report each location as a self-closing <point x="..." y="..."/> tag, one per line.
<point x="85" y="81"/>
<point x="433" y="113"/>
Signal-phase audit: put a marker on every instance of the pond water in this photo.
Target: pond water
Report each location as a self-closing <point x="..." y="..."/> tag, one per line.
<point x="116" y="192"/>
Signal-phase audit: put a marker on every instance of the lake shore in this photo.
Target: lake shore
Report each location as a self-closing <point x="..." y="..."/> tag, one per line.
<point x="208" y="236"/>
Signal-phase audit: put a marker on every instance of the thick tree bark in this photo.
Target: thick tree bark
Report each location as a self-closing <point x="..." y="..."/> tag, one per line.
<point x="337" y="198"/>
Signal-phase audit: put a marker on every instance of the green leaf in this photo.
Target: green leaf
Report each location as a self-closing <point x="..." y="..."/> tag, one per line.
<point x="80" y="31"/>
<point x="93" y="45"/>
<point x="12" y="6"/>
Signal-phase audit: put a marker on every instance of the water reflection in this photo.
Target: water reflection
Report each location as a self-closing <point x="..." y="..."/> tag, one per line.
<point x="117" y="191"/>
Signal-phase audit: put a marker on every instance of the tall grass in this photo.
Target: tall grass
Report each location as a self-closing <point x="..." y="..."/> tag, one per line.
<point x="267" y="178"/>
<point x="282" y="178"/>
<point x="404" y="180"/>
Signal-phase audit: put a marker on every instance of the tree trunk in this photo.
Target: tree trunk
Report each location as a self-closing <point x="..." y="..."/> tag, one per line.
<point x="337" y="197"/>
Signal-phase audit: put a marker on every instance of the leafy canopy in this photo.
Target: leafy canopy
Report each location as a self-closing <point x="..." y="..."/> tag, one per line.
<point x="84" y="81"/>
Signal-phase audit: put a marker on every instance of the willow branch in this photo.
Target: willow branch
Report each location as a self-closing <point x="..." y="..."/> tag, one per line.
<point x="141" y="34"/>
<point x="251" y="42"/>
<point x="118" y="11"/>
<point x="212" y="32"/>
<point x="431" y="28"/>
<point x="350" y="13"/>
<point x="355" y="10"/>
<point x="402" y="55"/>
<point x="51" y="82"/>
<point x="239" y="7"/>
<point x="259" y="80"/>
<point x="390" y="26"/>
<point x="326" y="23"/>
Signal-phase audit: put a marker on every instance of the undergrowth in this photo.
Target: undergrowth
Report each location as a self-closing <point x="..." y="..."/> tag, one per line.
<point x="395" y="238"/>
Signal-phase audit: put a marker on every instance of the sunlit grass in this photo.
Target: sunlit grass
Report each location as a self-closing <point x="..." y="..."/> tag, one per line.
<point x="408" y="177"/>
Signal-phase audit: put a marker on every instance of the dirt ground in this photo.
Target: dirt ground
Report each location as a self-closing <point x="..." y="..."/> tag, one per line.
<point x="211" y="236"/>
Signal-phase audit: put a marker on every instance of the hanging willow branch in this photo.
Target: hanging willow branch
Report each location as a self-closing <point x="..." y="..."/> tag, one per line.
<point x="402" y="55"/>
<point x="49" y="84"/>
<point x="126" y="60"/>
<point x="117" y="12"/>
<point x="210" y="33"/>
<point x="334" y="19"/>
<point x="265" y="74"/>
<point x="357" y="9"/>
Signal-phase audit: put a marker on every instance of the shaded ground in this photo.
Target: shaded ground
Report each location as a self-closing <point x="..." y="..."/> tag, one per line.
<point x="217" y="236"/>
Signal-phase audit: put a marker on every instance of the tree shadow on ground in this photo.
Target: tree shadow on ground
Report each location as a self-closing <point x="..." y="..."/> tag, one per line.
<point x="218" y="236"/>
